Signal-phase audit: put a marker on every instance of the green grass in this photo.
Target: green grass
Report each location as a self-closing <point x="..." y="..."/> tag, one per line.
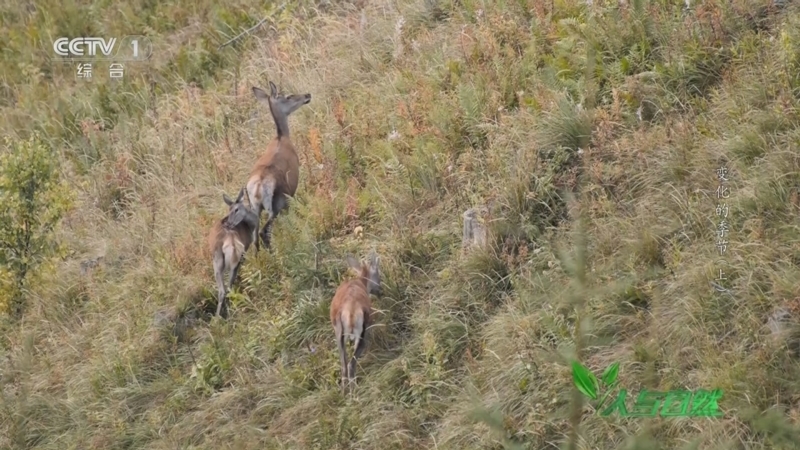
<point x="551" y="114"/>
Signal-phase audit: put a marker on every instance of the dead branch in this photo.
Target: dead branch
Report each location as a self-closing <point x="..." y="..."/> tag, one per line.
<point x="251" y="29"/>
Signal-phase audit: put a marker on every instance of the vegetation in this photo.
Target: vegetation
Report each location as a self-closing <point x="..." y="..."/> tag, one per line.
<point x="591" y="131"/>
<point x="32" y="201"/>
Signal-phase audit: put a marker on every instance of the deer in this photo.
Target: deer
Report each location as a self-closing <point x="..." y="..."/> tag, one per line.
<point x="229" y="239"/>
<point x="351" y="312"/>
<point x="275" y="174"/>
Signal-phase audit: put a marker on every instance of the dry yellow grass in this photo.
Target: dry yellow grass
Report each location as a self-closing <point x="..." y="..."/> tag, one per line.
<point x="420" y="109"/>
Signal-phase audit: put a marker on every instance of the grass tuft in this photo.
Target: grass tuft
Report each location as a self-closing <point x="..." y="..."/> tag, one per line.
<point x="587" y="134"/>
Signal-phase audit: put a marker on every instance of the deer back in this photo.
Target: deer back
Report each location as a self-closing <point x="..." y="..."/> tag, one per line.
<point x="238" y="226"/>
<point x="280" y="164"/>
<point x="349" y="297"/>
<point x="219" y="234"/>
<point x="216" y="236"/>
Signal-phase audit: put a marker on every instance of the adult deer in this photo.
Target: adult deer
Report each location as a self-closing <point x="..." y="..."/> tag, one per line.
<point x="229" y="239"/>
<point x="351" y="310"/>
<point x="275" y="174"/>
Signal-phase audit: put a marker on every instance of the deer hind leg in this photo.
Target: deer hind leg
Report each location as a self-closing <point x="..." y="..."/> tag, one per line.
<point x="235" y="274"/>
<point x="342" y="353"/>
<point x="255" y="230"/>
<point x="360" y="345"/>
<point x="279" y="203"/>
<point x="255" y="206"/>
<point x="235" y="255"/>
<point x="267" y="233"/>
<point x="219" y="267"/>
<point x="267" y="192"/>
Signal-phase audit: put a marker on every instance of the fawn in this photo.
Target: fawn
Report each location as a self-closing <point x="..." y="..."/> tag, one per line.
<point x="351" y="311"/>
<point x="229" y="239"/>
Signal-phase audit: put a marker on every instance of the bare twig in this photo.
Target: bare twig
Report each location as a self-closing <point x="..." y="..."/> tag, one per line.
<point x="243" y="33"/>
<point x="251" y="29"/>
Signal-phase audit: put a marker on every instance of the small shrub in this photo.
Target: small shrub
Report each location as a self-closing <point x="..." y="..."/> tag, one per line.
<point x="32" y="202"/>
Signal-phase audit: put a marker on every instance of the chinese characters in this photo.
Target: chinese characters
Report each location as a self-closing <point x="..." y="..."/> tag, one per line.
<point x="677" y="403"/>
<point x="85" y="71"/>
<point x="723" y="193"/>
<point x="115" y="71"/>
<point x="674" y="403"/>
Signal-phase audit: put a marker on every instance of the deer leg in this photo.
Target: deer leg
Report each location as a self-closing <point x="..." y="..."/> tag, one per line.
<point x="219" y="267"/>
<point x="255" y="230"/>
<point x="266" y="233"/>
<point x="267" y="192"/>
<point x="342" y="354"/>
<point x="360" y="346"/>
<point x="235" y="274"/>
<point x="255" y="206"/>
<point x="279" y="203"/>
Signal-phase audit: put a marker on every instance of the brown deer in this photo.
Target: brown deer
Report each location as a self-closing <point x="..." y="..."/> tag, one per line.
<point x="228" y="240"/>
<point x="275" y="174"/>
<point x="351" y="310"/>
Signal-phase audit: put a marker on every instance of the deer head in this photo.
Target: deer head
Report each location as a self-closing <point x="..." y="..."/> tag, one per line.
<point x="369" y="272"/>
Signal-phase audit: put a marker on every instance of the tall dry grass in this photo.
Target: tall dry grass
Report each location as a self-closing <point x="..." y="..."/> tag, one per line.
<point x="420" y="109"/>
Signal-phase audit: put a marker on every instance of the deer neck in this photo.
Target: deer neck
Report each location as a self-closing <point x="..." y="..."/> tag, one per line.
<point x="250" y="219"/>
<point x="281" y="122"/>
<point x="364" y="279"/>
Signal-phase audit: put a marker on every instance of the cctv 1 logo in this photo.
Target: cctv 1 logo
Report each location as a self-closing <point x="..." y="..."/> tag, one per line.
<point x="129" y="48"/>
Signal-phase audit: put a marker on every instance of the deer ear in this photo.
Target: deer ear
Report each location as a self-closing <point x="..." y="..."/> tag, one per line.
<point x="273" y="89"/>
<point x="374" y="259"/>
<point x="227" y="199"/>
<point x="260" y="95"/>
<point x="239" y="197"/>
<point x="235" y="218"/>
<point x="353" y="263"/>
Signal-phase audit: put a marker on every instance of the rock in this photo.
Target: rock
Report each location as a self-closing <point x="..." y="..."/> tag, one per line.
<point x="89" y="264"/>
<point x="475" y="232"/>
<point x="176" y="323"/>
<point x="165" y="317"/>
<point x="783" y="328"/>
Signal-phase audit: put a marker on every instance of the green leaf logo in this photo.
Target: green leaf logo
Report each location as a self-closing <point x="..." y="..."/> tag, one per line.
<point x="610" y="375"/>
<point x="609" y="379"/>
<point x="584" y="380"/>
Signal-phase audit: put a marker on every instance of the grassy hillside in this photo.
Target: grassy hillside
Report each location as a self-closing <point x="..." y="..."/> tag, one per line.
<point x="591" y="132"/>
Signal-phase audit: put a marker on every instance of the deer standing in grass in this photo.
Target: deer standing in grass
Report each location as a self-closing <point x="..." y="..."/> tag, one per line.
<point x="228" y="240"/>
<point x="275" y="174"/>
<point x="351" y="310"/>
